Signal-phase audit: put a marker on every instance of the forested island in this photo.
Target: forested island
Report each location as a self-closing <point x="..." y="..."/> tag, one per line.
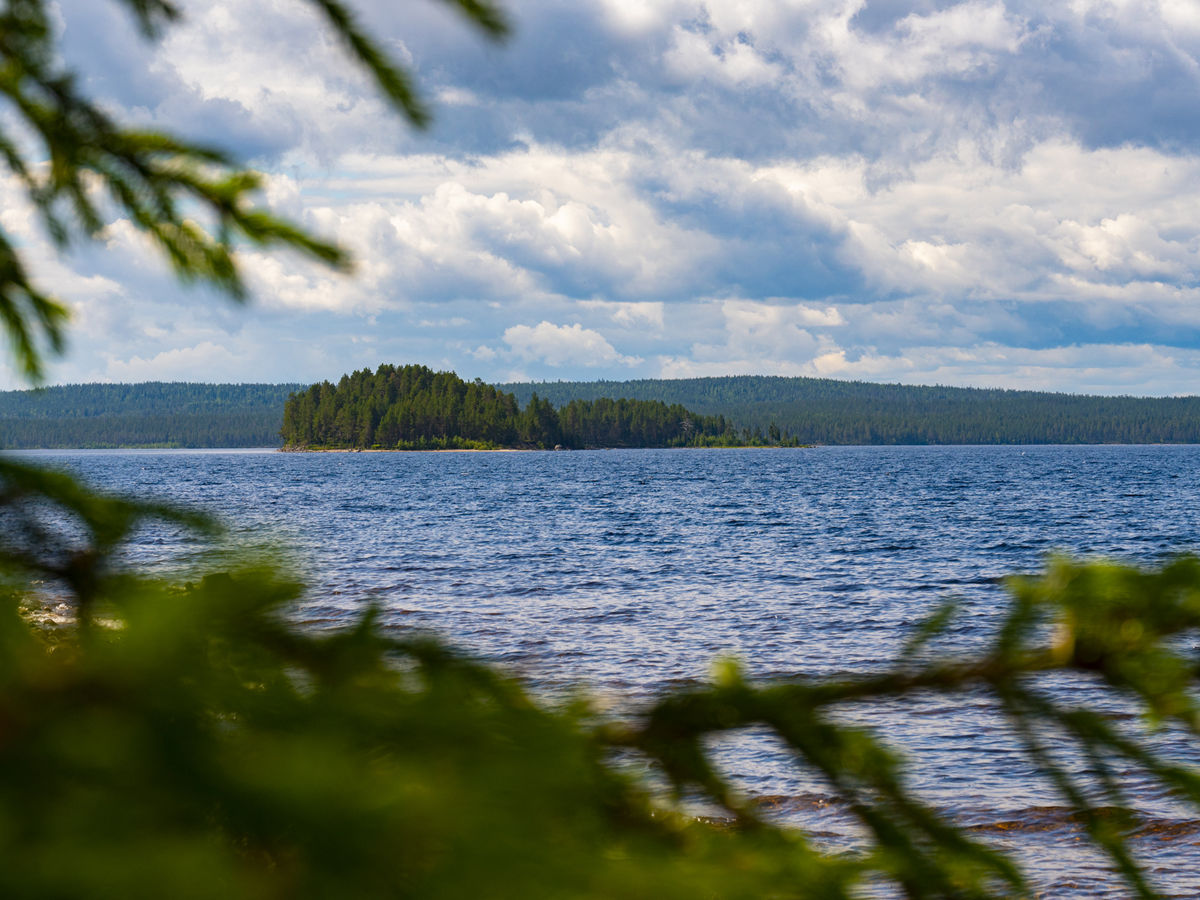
<point x="415" y="408"/>
<point x="149" y="415"/>
<point x="827" y="411"/>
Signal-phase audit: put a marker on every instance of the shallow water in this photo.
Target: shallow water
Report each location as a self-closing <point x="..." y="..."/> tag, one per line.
<point x="631" y="571"/>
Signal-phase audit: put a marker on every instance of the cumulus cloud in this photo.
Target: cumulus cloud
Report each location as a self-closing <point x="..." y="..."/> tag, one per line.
<point x="972" y="191"/>
<point x="561" y="345"/>
<point x="183" y="364"/>
<point x="631" y="315"/>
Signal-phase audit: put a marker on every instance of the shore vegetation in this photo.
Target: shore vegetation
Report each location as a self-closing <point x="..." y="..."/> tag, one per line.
<point x="829" y="411"/>
<point x="754" y="408"/>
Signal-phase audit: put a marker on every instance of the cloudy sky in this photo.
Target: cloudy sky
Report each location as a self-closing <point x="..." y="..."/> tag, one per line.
<point x="927" y="191"/>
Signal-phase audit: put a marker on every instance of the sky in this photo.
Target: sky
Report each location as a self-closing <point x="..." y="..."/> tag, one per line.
<point x="1000" y="194"/>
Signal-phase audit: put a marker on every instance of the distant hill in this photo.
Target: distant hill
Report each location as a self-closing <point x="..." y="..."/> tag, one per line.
<point x="151" y="414"/>
<point x="811" y="410"/>
<point x="827" y="411"/>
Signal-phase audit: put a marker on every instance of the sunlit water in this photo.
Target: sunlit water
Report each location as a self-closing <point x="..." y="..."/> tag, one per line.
<point x="629" y="572"/>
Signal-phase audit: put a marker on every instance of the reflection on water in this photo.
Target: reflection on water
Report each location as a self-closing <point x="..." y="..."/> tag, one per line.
<point x="630" y="571"/>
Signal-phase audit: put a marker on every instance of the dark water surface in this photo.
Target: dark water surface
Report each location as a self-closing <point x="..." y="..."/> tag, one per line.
<point x="631" y="571"/>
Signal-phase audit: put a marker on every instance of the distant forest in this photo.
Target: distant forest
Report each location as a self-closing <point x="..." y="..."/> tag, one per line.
<point x="826" y="411"/>
<point x="426" y="409"/>
<point x="415" y="408"/>
<point x="152" y="414"/>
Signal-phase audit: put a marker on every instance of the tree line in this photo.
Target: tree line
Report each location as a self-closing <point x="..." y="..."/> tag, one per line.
<point x="414" y="408"/>
<point x="426" y="410"/>
<point x="247" y="428"/>
<point x="827" y="411"/>
<point x="150" y="414"/>
<point x="69" y="401"/>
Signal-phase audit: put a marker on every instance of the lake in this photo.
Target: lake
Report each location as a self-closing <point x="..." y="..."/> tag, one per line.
<point x="629" y="572"/>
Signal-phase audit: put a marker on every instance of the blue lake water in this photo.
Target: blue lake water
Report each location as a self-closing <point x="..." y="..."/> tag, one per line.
<point x="629" y="572"/>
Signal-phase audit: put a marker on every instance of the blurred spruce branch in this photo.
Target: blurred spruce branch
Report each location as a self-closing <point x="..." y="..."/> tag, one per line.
<point x="194" y="744"/>
<point x="56" y="530"/>
<point x="73" y="158"/>
<point x="207" y="747"/>
<point x="1110" y="623"/>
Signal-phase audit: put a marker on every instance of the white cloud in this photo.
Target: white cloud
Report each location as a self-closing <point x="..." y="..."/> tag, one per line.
<point x="631" y="315"/>
<point x="771" y="331"/>
<point x="1088" y="368"/>
<point x="1068" y="223"/>
<point x="560" y="345"/>
<point x="483" y="353"/>
<point x="960" y="40"/>
<point x="733" y="60"/>
<point x="1140" y="369"/>
<point x="182" y="364"/>
<point x="452" y="96"/>
<point x="901" y="189"/>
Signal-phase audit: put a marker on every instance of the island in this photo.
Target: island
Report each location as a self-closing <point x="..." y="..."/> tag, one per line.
<point x="415" y="408"/>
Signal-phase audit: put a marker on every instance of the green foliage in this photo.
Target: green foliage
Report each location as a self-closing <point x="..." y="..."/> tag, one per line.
<point x="162" y="184"/>
<point x="151" y="414"/>
<point x="69" y="401"/>
<point x="450" y="443"/>
<point x="729" y="412"/>
<point x="393" y="81"/>
<point x="402" y="406"/>
<point x="827" y="411"/>
<point x="1112" y="623"/>
<point x="185" y="741"/>
<point x="413" y="407"/>
<point x="203" y="750"/>
<point x="247" y="428"/>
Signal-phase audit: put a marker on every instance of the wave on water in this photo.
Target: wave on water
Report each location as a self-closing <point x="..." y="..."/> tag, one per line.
<point x="630" y="572"/>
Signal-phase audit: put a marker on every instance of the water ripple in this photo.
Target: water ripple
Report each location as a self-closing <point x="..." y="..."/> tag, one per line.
<point x="630" y="571"/>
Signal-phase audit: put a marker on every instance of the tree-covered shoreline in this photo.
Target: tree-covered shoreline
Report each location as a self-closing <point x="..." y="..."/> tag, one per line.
<point x="802" y="410"/>
<point x="414" y="408"/>
<point x="831" y="411"/>
<point x="152" y="414"/>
